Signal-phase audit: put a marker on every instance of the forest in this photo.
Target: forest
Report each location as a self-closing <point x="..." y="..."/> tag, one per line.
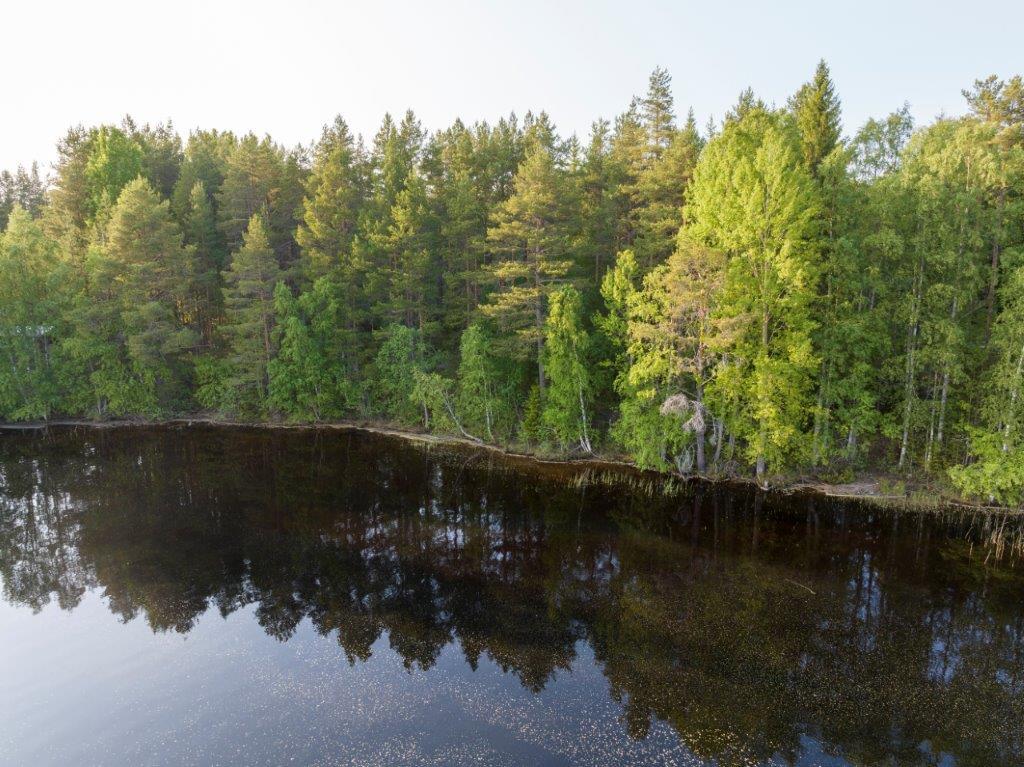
<point x="765" y="295"/>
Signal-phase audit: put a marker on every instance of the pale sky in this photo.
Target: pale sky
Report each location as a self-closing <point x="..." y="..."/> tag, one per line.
<point x="287" y="68"/>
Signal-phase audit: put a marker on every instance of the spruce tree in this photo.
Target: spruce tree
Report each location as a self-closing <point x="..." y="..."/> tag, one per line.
<point x="309" y="376"/>
<point x="816" y="112"/>
<point x="568" y="403"/>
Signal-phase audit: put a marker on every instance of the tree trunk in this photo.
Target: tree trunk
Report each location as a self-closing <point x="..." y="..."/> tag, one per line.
<point x="908" y="391"/>
<point x="538" y="316"/>
<point x="700" y="434"/>
<point x="815" y="454"/>
<point x="719" y="439"/>
<point x="931" y="424"/>
<point x="993" y="279"/>
<point x="945" y="387"/>
<point x="585" y="441"/>
<point x="1013" y="401"/>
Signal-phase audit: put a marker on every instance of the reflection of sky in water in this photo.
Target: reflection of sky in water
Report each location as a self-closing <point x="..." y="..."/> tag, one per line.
<point x="82" y="688"/>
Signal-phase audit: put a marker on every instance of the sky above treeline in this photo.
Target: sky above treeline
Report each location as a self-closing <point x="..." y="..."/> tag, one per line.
<point x="287" y="68"/>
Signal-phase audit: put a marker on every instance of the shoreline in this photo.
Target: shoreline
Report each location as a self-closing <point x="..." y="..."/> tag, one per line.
<point x="862" y="489"/>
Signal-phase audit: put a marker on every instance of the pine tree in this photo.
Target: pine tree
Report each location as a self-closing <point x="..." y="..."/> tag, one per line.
<point x="261" y="178"/>
<point x="200" y="234"/>
<point x="528" y="229"/>
<point x="409" y="266"/>
<point x="394" y="162"/>
<point x="598" y="209"/>
<point x="131" y="341"/>
<point x="155" y="271"/>
<point x="661" y="188"/>
<point x="658" y="115"/>
<point x="463" y="178"/>
<point x="204" y="159"/>
<point x="161" y="155"/>
<point x="335" y="192"/>
<point x="65" y="218"/>
<point x="23" y="189"/>
<point x="627" y="158"/>
<point x="249" y="320"/>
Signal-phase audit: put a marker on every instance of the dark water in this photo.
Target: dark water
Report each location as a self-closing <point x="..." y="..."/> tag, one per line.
<point x="205" y="596"/>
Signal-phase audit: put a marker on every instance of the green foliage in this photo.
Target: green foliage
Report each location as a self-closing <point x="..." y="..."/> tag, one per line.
<point x="132" y="339"/>
<point x="781" y="300"/>
<point x="309" y="379"/>
<point x="753" y="200"/>
<point x="335" y="192"/>
<point x="569" y="397"/>
<point x="617" y="289"/>
<point x="485" y="391"/>
<point x="996" y="473"/>
<point x="434" y="394"/>
<point x="30" y="305"/>
<point x="532" y="427"/>
<point x="200" y="233"/>
<point x="211" y="377"/>
<point x="114" y="159"/>
<point x="648" y="376"/>
<point x="529" y="231"/>
<point x="816" y="113"/>
<point x="396" y="367"/>
<point x="261" y="179"/>
<point x="248" y="329"/>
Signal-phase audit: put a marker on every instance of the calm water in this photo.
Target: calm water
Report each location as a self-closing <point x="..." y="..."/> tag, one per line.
<point x="214" y="596"/>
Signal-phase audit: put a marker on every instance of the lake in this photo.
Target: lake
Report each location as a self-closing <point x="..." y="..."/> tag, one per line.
<point x="202" y="595"/>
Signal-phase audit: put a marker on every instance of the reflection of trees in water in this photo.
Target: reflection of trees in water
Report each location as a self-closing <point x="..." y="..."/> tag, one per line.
<point x="744" y="624"/>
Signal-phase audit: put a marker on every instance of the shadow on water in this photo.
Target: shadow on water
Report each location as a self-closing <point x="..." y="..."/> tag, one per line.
<point x="749" y="623"/>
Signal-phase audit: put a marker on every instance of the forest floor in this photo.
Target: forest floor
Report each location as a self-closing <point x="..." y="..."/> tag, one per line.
<point x="881" y="488"/>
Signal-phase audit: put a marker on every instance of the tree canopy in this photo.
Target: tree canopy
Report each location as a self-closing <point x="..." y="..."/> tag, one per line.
<point x="768" y="295"/>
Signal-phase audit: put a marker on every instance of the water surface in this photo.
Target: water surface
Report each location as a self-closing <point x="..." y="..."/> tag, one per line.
<point x="228" y="596"/>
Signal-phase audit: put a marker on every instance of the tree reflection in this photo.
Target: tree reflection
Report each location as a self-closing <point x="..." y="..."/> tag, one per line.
<point x="746" y="623"/>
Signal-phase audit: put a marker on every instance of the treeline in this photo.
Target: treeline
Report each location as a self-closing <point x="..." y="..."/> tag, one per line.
<point x="763" y="294"/>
